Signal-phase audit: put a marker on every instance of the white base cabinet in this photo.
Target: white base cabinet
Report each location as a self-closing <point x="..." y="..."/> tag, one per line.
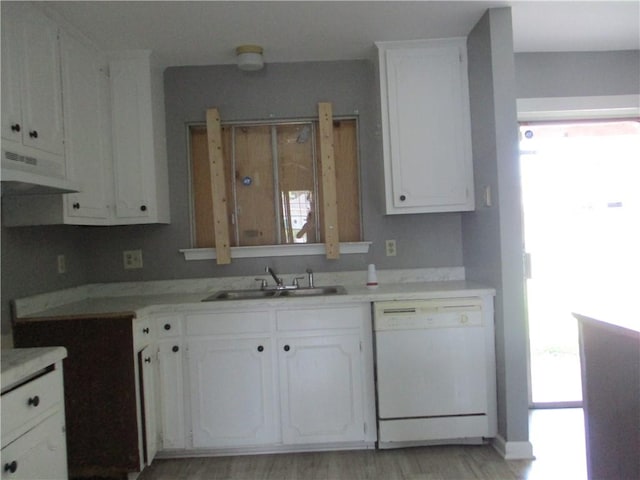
<point x="265" y="379"/>
<point x="426" y="127"/>
<point x="321" y="389"/>
<point x="33" y="428"/>
<point x="232" y="392"/>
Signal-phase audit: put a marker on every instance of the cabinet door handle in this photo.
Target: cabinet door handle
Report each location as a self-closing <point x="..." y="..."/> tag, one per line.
<point x="175" y="348"/>
<point x="167" y="326"/>
<point x="287" y="348"/>
<point x="260" y="348"/>
<point x="403" y="198"/>
<point x="143" y="208"/>
<point x="76" y="205"/>
<point x="11" y="467"/>
<point x="33" y="134"/>
<point x="147" y="360"/>
<point x="145" y="330"/>
<point x="33" y="401"/>
<point x="15" y="127"/>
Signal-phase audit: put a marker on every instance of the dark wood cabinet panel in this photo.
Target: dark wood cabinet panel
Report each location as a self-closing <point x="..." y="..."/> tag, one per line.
<point x="99" y="386"/>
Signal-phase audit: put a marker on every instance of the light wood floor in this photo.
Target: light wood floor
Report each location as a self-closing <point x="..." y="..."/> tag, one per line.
<point x="551" y="431"/>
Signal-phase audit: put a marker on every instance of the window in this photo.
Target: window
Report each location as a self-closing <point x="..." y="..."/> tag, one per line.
<point x="273" y="191"/>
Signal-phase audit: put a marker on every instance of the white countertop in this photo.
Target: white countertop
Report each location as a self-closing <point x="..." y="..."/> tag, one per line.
<point x="18" y="364"/>
<point x="136" y="299"/>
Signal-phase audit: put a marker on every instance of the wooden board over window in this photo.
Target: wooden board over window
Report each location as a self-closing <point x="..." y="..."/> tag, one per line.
<point x="269" y="205"/>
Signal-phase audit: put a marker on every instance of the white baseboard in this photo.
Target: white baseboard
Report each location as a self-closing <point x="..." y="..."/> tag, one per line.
<point x="513" y="450"/>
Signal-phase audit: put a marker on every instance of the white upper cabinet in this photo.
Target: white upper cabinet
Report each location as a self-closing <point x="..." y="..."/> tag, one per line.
<point x="88" y="146"/>
<point x="139" y="144"/>
<point x="32" y="124"/>
<point x="426" y="126"/>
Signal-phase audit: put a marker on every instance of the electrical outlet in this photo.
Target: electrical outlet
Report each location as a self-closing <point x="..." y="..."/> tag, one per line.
<point x="390" y="246"/>
<point x="132" y="259"/>
<point x="62" y="264"/>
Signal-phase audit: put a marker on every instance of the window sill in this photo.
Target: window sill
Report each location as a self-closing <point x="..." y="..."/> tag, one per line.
<point x="299" y="249"/>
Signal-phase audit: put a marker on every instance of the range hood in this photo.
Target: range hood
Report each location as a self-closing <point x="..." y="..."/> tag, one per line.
<point x="23" y="175"/>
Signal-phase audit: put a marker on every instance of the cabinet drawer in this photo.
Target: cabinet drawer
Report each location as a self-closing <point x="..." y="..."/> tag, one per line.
<point x="320" y="318"/>
<point x="25" y="405"/>
<point x="39" y="453"/>
<point x="142" y="332"/>
<point x="228" y="323"/>
<point x="169" y="326"/>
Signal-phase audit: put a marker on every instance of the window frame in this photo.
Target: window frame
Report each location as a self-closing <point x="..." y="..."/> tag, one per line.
<point x="291" y="249"/>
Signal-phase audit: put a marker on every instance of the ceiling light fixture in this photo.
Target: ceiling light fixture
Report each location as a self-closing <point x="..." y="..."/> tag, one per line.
<point x="249" y="57"/>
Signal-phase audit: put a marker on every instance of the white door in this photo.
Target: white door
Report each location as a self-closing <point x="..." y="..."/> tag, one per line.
<point x="232" y="393"/>
<point x="581" y="208"/>
<point x="171" y="389"/>
<point x="321" y="389"/>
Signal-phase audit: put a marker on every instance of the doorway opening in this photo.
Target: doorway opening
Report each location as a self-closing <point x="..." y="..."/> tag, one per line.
<point x="581" y="205"/>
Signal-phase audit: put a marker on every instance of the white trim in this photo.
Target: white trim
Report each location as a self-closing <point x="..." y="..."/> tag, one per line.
<point x="578" y="108"/>
<point x="513" y="450"/>
<point x="295" y="249"/>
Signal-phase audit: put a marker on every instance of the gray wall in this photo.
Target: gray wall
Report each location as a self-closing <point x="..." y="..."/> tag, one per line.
<point x="492" y="236"/>
<point x="94" y="254"/>
<point x="29" y="262"/>
<point x="577" y="74"/>
<point x="286" y="91"/>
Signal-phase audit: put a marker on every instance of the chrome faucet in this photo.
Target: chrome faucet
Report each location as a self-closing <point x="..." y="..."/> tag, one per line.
<point x="310" y="274"/>
<point x="278" y="280"/>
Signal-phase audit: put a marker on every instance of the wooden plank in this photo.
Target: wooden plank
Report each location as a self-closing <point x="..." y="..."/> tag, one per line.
<point x="329" y="203"/>
<point x="218" y="184"/>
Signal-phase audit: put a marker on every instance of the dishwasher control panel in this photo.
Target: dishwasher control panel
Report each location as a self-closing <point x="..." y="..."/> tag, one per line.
<point x="420" y="314"/>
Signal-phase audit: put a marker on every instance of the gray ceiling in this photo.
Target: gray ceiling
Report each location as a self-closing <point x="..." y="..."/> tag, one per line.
<point x="206" y="32"/>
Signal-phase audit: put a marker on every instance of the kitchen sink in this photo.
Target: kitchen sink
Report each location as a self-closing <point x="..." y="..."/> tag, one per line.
<point x="275" y="293"/>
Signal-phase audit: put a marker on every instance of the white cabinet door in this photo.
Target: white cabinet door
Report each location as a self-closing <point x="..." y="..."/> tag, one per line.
<point x="39" y="453"/>
<point x="232" y="394"/>
<point x="87" y="136"/>
<point x="150" y="442"/>
<point x="426" y="126"/>
<point x="32" y="125"/>
<point x="139" y="150"/>
<point x="12" y="125"/>
<point x="321" y="390"/>
<point x="42" y="100"/>
<point x="171" y="390"/>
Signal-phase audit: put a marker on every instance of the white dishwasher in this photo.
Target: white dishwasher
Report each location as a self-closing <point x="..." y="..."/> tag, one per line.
<point x="435" y="371"/>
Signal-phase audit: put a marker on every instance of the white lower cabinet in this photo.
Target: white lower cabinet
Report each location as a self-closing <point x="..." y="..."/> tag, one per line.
<point x="171" y="394"/>
<point x="232" y="394"/>
<point x="321" y="389"/>
<point x="265" y="378"/>
<point x="40" y="453"/>
<point x="33" y="424"/>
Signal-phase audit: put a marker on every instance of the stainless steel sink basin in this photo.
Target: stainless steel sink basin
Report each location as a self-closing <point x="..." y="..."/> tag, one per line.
<point x="273" y="293"/>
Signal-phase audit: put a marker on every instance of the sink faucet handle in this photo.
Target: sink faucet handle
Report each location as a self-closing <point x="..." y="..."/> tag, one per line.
<point x="310" y="275"/>
<point x="263" y="283"/>
<point x="296" y="281"/>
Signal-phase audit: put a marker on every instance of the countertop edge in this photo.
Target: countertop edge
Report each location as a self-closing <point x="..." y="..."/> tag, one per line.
<point x="18" y="364"/>
<point x="140" y="305"/>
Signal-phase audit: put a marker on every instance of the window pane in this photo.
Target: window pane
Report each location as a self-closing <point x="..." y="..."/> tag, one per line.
<point x="253" y="185"/>
<point x="296" y="182"/>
